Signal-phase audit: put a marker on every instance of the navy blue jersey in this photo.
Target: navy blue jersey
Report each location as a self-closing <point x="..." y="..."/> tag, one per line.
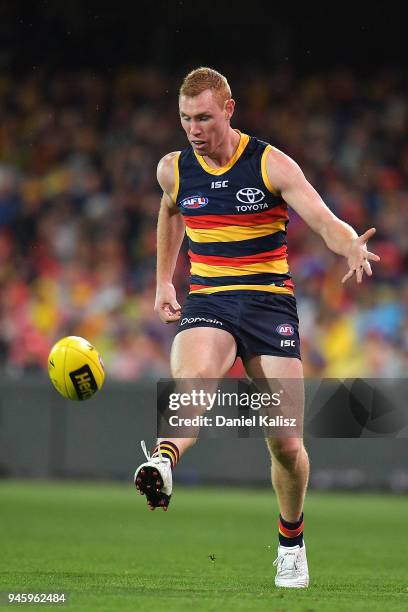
<point x="235" y="222"/>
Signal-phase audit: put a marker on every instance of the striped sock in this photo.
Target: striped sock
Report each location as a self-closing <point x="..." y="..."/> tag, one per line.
<point x="290" y="534"/>
<point x="168" y="450"/>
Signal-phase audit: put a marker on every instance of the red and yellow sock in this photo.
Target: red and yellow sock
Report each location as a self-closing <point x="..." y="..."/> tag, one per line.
<point x="168" y="450"/>
<point x="290" y="534"/>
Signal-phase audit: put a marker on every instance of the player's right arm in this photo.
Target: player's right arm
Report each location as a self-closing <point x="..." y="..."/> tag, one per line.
<point x="286" y="176"/>
<point x="170" y="234"/>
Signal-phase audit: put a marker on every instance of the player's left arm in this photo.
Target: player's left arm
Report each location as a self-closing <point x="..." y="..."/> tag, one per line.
<point x="286" y="176"/>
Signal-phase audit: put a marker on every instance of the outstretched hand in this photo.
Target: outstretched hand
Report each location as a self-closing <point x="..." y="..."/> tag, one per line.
<point x="359" y="257"/>
<point x="166" y="305"/>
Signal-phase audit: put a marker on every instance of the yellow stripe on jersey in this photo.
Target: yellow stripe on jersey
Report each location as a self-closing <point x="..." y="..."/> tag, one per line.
<point x="269" y="288"/>
<point x="176" y="178"/>
<point x="265" y="172"/>
<point x="244" y="139"/>
<point x="233" y="233"/>
<point x="278" y="266"/>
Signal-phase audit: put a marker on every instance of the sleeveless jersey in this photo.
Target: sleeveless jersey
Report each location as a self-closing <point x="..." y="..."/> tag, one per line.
<point x="235" y="222"/>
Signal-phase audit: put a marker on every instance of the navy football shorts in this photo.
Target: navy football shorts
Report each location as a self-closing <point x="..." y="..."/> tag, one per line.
<point x="262" y="323"/>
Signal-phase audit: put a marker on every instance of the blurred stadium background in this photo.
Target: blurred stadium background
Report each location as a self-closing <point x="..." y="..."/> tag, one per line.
<point x="88" y="104"/>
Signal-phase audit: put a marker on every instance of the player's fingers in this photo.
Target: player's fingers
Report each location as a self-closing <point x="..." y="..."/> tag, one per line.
<point x="167" y="307"/>
<point x="367" y="235"/>
<point x="372" y="256"/>
<point x="359" y="274"/>
<point x="168" y="314"/>
<point x="367" y="268"/>
<point x="172" y="310"/>
<point x="347" y="276"/>
<point x="172" y="318"/>
<point x="166" y="318"/>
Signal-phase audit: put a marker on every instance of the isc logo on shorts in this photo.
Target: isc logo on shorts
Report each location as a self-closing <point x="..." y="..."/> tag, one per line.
<point x="287" y="342"/>
<point x="285" y="329"/>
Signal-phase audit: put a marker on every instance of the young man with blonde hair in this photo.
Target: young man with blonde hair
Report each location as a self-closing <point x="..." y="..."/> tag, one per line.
<point x="230" y="193"/>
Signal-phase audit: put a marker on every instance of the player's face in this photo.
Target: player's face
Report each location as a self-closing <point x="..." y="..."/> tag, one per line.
<point x="205" y="122"/>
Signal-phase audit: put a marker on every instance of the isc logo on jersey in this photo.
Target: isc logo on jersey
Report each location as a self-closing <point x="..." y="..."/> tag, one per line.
<point x="194" y="202"/>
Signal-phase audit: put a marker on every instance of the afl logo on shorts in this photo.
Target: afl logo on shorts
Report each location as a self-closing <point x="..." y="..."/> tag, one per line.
<point x="284" y="329"/>
<point x="194" y="202"/>
<point x="250" y="195"/>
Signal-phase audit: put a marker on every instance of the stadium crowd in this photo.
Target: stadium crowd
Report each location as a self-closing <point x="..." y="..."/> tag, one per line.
<point x="79" y="203"/>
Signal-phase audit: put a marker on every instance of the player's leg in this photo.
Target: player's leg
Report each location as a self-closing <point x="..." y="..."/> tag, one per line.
<point x="203" y="354"/>
<point x="199" y="355"/>
<point x="290" y="465"/>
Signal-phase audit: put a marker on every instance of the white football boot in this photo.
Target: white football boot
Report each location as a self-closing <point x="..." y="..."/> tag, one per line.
<point x="154" y="479"/>
<point x="291" y="567"/>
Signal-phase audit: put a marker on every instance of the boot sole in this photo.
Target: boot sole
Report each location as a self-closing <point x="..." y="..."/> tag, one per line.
<point x="149" y="482"/>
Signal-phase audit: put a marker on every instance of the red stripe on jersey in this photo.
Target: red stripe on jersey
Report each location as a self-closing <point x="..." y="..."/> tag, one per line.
<point x="196" y="287"/>
<point x="214" y="260"/>
<point x="213" y="221"/>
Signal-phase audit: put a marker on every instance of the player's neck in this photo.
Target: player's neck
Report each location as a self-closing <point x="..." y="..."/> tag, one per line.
<point x="225" y="152"/>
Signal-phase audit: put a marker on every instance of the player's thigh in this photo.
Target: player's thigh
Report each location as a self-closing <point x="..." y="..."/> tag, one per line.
<point x="282" y="375"/>
<point x="278" y="374"/>
<point x="271" y="367"/>
<point x="200" y="356"/>
<point x="202" y="352"/>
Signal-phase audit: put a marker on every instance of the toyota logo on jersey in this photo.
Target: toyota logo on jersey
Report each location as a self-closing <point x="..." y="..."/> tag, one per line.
<point x="285" y="329"/>
<point x="250" y="195"/>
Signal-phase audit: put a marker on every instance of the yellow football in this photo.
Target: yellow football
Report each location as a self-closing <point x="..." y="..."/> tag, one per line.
<point x="75" y="368"/>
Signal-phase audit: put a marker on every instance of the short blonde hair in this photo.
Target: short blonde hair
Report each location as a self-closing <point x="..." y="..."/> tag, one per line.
<point x="203" y="78"/>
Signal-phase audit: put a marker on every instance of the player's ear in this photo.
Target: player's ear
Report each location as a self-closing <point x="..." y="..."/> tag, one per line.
<point x="229" y="106"/>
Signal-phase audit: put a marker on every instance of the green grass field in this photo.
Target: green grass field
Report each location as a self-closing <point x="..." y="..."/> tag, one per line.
<point x="99" y="544"/>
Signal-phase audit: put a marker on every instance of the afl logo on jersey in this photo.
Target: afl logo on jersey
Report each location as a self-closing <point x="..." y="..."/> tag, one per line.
<point x="250" y="195"/>
<point x="285" y="329"/>
<point x="194" y="202"/>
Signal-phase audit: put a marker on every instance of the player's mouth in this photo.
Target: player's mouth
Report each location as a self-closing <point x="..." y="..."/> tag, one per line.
<point x="199" y="144"/>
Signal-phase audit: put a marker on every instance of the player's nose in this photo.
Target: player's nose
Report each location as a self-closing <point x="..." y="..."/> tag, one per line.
<point x="195" y="129"/>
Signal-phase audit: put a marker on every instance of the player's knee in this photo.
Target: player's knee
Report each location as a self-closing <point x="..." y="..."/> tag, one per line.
<point x="286" y="450"/>
<point x="191" y="442"/>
